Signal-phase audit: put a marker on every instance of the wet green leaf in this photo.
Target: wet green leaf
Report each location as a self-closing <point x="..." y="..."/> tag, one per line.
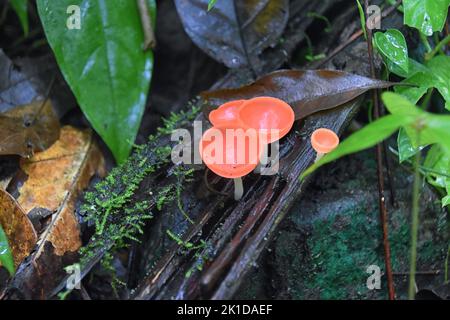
<point x="104" y="64"/>
<point x="440" y="72"/>
<point x="437" y="162"/>
<point x="422" y="128"/>
<point x="414" y="94"/>
<point x="434" y="128"/>
<point x="392" y="46"/>
<point x="405" y="147"/>
<point x="434" y="74"/>
<point x="6" y="258"/>
<point x="362" y="18"/>
<point x="21" y="9"/>
<point x="426" y="15"/>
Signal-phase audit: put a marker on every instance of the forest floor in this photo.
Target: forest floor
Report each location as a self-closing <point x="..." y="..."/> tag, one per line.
<point x="332" y="235"/>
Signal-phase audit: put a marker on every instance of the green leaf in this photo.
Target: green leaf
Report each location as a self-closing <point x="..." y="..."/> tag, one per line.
<point x="103" y="64"/>
<point x="211" y="4"/>
<point x="414" y="94"/>
<point x="367" y="137"/>
<point x="437" y="130"/>
<point x="21" y="8"/>
<point x="440" y="72"/>
<point x="437" y="161"/>
<point x="434" y="74"/>
<point x="426" y="15"/>
<point x="6" y="257"/>
<point x="434" y="128"/>
<point x="362" y="18"/>
<point x="392" y="46"/>
<point x="437" y="166"/>
<point x="398" y="105"/>
<point x="405" y="147"/>
<point x="446" y="200"/>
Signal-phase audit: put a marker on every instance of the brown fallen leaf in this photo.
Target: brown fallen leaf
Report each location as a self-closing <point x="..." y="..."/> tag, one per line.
<point x="28" y="129"/>
<point x="234" y="32"/>
<point x="17" y="227"/>
<point x="307" y="92"/>
<point x="54" y="180"/>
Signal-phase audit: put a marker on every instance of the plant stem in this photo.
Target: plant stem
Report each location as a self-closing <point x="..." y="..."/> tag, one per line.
<point x="425" y="42"/>
<point x="380" y="171"/>
<point x="446" y="265"/>
<point x="430" y="55"/>
<point x="414" y="227"/>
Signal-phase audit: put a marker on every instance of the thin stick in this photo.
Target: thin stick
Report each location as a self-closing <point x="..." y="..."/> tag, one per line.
<point x="379" y="155"/>
<point x="146" y="21"/>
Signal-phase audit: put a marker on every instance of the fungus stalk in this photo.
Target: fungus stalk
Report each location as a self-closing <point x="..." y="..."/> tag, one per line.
<point x="319" y="156"/>
<point x="238" y="189"/>
<point x="263" y="161"/>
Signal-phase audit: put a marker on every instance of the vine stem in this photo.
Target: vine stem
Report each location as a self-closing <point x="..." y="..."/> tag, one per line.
<point x="439" y="46"/>
<point x="380" y="171"/>
<point x="414" y="226"/>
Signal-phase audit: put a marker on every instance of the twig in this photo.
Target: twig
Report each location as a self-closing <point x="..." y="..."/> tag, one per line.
<point x="379" y="155"/>
<point x="146" y="21"/>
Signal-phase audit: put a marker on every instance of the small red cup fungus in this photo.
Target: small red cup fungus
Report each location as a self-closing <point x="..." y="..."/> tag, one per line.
<point x="271" y="116"/>
<point x="261" y="120"/>
<point x="230" y="154"/>
<point x="227" y="115"/>
<point x="324" y="141"/>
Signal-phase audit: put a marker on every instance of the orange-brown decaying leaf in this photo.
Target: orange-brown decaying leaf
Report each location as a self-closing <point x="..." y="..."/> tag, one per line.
<point x="17" y="227"/>
<point x="55" y="179"/>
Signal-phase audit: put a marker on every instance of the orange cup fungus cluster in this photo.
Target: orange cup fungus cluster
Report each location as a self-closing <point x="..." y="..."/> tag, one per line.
<point x="241" y="130"/>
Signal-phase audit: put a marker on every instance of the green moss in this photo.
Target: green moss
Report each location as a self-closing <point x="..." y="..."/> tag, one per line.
<point x="111" y="207"/>
<point x="342" y="247"/>
<point x="339" y="258"/>
<point x="199" y="253"/>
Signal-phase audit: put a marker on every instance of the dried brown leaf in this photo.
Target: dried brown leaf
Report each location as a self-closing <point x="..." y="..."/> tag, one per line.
<point x="234" y="32"/>
<point x="28" y="129"/>
<point x="17" y="227"/>
<point x="55" y="178"/>
<point x="307" y="92"/>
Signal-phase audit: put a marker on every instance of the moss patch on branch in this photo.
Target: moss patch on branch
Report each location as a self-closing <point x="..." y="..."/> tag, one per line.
<point x="111" y="207"/>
